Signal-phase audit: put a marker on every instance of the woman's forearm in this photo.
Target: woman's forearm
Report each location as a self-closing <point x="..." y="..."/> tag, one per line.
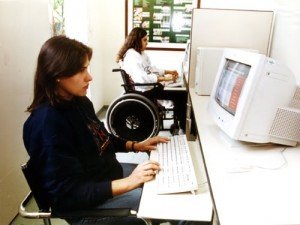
<point x="122" y="186"/>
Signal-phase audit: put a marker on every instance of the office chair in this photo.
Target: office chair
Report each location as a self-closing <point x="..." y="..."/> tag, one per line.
<point x="134" y="116"/>
<point x="45" y="212"/>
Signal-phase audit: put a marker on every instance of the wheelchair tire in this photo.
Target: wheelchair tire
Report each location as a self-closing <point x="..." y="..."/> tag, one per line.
<point x="133" y="117"/>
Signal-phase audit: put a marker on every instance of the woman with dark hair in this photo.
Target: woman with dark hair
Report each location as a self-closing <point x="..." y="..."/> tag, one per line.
<point x="136" y="62"/>
<point x="70" y="148"/>
<point x="133" y="59"/>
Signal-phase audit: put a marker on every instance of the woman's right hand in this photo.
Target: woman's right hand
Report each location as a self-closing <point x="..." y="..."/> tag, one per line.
<point x="174" y="74"/>
<point x="170" y="77"/>
<point x="144" y="172"/>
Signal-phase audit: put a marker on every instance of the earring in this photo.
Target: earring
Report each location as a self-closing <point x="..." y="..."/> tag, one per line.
<point x="57" y="80"/>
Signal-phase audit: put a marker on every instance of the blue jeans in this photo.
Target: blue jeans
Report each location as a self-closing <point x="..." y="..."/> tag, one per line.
<point x="130" y="199"/>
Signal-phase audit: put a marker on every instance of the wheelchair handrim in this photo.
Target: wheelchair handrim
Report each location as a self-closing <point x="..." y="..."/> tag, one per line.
<point x="132" y="121"/>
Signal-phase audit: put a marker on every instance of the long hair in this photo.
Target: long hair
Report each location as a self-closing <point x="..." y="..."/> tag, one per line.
<point x="60" y="56"/>
<point x="133" y="40"/>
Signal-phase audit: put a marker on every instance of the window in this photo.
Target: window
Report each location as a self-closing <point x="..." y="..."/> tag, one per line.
<point x="57" y="17"/>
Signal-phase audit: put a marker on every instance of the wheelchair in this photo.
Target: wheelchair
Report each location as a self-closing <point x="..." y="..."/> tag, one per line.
<point x="134" y="116"/>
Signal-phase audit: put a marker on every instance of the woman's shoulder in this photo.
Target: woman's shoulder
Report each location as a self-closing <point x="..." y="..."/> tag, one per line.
<point x="132" y="52"/>
<point x="43" y="110"/>
<point x="43" y="117"/>
<point x="132" y="56"/>
<point x="43" y="113"/>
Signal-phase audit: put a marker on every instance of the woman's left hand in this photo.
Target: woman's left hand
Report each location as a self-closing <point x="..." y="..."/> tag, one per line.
<point x="150" y="144"/>
<point x="174" y="74"/>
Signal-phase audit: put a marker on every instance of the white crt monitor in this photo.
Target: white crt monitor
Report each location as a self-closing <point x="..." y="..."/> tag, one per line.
<point x="249" y="93"/>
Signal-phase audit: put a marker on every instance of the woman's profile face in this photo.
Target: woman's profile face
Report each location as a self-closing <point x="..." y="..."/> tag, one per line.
<point x="144" y="42"/>
<point x="75" y="85"/>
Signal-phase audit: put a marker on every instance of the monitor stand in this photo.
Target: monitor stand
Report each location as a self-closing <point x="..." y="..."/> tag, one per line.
<point x="229" y="142"/>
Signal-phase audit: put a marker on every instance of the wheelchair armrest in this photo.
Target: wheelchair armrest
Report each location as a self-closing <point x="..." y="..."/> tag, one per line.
<point x="141" y="84"/>
<point x="118" y="212"/>
<point x="146" y="84"/>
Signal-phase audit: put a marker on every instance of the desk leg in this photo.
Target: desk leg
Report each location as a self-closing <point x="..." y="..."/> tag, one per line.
<point x="215" y="219"/>
<point x="147" y="221"/>
<point x="188" y="127"/>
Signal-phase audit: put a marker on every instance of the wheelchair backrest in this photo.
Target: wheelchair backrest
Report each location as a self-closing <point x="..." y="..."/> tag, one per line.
<point x="128" y="83"/>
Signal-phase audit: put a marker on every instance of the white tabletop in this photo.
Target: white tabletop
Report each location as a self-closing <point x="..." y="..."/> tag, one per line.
<point x="184" y="206"/>
<point x="254" y="185"/>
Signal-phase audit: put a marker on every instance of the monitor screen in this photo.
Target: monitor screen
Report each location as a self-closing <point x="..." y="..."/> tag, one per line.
<point x="230" y="85"/>
<point x="186" y="60"/>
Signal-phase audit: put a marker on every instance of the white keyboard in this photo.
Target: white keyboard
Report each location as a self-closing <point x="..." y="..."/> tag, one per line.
<point x="174" y="84"/>
<point x="177" y="172"/>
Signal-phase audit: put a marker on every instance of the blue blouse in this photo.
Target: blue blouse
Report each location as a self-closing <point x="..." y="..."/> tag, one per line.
<point x="73" y="153"/>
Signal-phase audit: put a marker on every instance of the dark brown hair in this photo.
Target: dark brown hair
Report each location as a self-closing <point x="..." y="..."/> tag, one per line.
<point x="133" y="40"/>
<point x="60" y="56"/>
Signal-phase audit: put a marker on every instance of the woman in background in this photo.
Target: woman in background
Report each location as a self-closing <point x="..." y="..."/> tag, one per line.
<point x="133" y="59"/>
<point x="69" y="147"/>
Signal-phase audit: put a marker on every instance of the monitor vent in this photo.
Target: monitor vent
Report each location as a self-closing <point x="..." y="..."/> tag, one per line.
<point x="286" y="124"/>
<point x="295" y="103"/>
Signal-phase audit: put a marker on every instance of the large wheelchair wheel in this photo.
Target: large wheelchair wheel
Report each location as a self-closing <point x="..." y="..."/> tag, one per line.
<point x="133" y="117"/>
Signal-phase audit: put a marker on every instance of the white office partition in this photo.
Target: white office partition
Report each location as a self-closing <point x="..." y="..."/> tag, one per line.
<point x="286" y="35"/>
<point x="221" y="28"/>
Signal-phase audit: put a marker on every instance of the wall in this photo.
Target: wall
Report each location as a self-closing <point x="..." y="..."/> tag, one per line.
<point x="106" y="25"/>
<point x="238" y="4"/>
<point x="22" y="32"/>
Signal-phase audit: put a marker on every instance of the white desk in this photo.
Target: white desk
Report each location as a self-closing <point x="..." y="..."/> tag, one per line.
<point x="249" y="185"/>
<point x="185" y="206"/>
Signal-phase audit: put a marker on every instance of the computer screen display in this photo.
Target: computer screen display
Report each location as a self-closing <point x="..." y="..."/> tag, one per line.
<point x="230" y="85"/>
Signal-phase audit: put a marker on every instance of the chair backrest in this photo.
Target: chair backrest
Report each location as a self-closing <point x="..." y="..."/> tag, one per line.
<point x="34" y="182"/>
<point x="128" y="83"/>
